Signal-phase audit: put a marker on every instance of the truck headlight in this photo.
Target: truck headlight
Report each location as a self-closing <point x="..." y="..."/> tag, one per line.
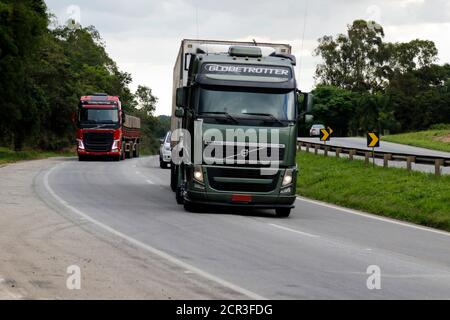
<point x="115" y="146"/>
<point x="198" y="173"/>
<point x="288" y="177"/>
<point x="80" y="144"/>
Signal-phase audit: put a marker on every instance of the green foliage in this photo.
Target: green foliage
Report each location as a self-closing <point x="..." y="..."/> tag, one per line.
<point x="9" y="156"/>
<point x="45" y="71"/>
<point x="334" y="107"/>
<point x="437" y="138"/>
<point x="389" y="87"/>
<point x="411" y="196"/>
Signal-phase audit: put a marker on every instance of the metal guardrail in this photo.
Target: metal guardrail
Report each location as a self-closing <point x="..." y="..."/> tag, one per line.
<point x="436" y="161"/>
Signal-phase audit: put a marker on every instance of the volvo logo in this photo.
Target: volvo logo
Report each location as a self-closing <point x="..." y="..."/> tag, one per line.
<point x="244" y="153"/>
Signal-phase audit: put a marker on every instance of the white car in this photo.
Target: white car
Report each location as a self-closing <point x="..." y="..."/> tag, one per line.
<point x="315" y="130"/>
<point x="165" y="152"/>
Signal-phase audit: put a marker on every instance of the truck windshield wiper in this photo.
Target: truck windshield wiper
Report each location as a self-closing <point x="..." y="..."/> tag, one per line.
<point x="101" y="126"/>
<point x="265" y="115"/>
<point x="229" y="116"/>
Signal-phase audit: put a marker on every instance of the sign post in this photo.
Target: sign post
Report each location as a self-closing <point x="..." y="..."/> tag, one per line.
<point x="373" y="141"/>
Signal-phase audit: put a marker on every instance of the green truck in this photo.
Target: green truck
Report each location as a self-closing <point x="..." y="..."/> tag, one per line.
<point x="235" y="116"/>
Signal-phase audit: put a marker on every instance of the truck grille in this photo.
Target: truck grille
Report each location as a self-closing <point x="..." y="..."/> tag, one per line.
<point x="249" y="153"/>
<point x="98" y="141"/>
<point x="241" y="173"/>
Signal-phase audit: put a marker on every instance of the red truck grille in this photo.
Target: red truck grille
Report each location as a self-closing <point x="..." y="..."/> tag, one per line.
<point x="98" y="141"/>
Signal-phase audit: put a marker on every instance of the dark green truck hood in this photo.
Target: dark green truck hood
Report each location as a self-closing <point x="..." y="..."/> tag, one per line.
<point x="287" y="138"/>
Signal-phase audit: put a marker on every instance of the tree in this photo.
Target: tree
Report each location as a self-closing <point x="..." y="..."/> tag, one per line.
<point x="395" y="86"/>
<point x="334" y="107"/>
<point x="22" y="25"/>
<point x="44" y="73"/>
<point x="350" y="61"/>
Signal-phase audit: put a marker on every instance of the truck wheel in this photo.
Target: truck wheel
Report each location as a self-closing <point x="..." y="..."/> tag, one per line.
<point x="162" y="164"/>
<point x="283" y="212"/>
<point x="81" y="158"/>
<point x="122" y="152"/>
<point x="136" y="151"/>
<point x="116" y="158"/>
<point x="173" y="177"/>
<point x="179" y="195"/>
<point x="130" y="152"/>
<point x="190" y="207"/>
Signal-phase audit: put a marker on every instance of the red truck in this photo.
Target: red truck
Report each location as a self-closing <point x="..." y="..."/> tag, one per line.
<point x="103" y="129"/>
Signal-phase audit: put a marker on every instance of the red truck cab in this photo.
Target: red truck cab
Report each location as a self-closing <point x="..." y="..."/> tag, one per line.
<point x="103" y="129"/>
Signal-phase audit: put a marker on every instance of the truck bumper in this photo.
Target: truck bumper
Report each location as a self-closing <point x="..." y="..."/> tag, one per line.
<point x="205" y="193"/>
<point x="225" y="200"/>
<point x="88" y="153"/>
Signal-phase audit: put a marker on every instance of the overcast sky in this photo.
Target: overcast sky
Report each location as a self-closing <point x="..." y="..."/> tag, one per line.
<point x="143" y="36"/>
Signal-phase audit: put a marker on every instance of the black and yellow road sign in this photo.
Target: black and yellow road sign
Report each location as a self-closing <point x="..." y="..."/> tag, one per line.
<point x="373" y="140"/>
<point x="325" y="134"/>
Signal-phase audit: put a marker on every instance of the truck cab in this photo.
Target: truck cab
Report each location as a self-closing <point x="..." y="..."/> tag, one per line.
<point x="240" y="110"/>
<point x="103" y="129"/>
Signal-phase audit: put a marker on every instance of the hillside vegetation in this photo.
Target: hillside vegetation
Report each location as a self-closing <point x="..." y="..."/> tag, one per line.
<point x="437" y="138"/>
<point x="45" y="70"/>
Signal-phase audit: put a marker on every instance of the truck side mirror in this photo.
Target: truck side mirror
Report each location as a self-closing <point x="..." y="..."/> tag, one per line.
<point x="309" y="102"/>
<point x="181" y="97"/>
<point x="309" y="118"/>
<point x="305" y="106"/>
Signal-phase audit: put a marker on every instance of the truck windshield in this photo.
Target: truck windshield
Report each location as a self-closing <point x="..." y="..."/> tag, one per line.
<point x="276" y="105"/>
<point x="99" y="116"/>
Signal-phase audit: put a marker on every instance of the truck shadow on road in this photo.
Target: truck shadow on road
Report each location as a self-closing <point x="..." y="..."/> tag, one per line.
<point x="235" y="211"/>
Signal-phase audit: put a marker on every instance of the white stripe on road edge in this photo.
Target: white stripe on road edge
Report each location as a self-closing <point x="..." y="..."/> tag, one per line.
<point x="150" y="181"/>
<point x="150" y="249"/>
<point x="374" y="217"/>
<point x="295" y="231"/>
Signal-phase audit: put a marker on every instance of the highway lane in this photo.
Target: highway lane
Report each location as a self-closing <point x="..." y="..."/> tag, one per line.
<point x="319" y="252"/>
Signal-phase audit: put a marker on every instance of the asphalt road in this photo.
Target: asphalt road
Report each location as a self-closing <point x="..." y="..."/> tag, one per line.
<point x="321" y="251"/>
<point x="361" y="143"/>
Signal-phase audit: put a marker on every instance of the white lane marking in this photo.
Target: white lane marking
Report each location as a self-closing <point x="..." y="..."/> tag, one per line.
<point x="149" y="181"/>
<point x="293" y="230"/>
<point x="374" y="217"/>
<point x="149" y="248"/>
<point x="137" y="172"/>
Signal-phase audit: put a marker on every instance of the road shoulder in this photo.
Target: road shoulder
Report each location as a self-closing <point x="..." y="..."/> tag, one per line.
<point x="39" y="243"/>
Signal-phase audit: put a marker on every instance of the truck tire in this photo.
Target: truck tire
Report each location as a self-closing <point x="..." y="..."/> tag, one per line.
<point x="283" y="212"/>
<point x="136" y="151"/>
<point x="162" y="164"/>
<point x="190" y="207"/>
<point x="173" y="177"/>
<point x="130" y="152"/>
<point x="81" y="157"/>
<point x="122" y="151"/>
<point x="179" y="195"/>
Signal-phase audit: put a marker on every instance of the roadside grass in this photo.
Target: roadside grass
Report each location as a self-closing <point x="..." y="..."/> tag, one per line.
<point x="410" y="196"/>
<point x="10" y="156"/>
<point x="438" y="139"/>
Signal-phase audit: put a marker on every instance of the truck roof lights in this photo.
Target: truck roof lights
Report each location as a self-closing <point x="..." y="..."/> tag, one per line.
<point x="244" y="51"/>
